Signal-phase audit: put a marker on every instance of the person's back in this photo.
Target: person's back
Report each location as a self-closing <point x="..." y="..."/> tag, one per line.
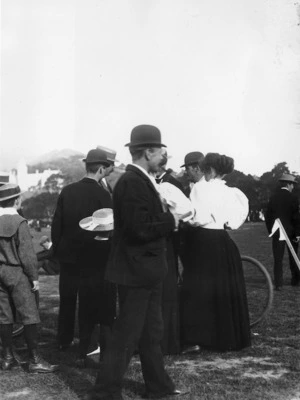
<point x="76" y="201"/>
<point x="75" y="249"/>
<point x="283" y="205"/>
<point x="18" y="282"/>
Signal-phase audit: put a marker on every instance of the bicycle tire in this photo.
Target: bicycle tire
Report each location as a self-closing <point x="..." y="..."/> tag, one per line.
<point x="266" y="288"/>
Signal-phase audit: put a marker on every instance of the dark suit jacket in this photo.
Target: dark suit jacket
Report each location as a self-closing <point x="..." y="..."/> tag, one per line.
<point x="76" y="201"/>
<point x="285" y="206"/>
<point x="138" y="254"/>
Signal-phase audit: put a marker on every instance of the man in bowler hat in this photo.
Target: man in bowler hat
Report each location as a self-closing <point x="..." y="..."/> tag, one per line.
<point x="75" y="251"/>
<point x="138" y="265"/>
<point x="283" y="204"/>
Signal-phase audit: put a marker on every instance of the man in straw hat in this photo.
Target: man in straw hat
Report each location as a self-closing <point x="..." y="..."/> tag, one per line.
<point x="284" y="205"/>
<point x="18" y="282"/>
<point x="138" y="265"/>
<point x="82" y="259"/>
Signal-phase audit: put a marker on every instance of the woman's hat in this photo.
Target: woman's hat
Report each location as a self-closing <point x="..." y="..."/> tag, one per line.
<point x="101" y="220"/>
<point x="288" y="178"/>
<point x="145" y="135"/>
<point x="9" y="191"/>
<point x="96" y="156"/>
<point x="192" y="158"/>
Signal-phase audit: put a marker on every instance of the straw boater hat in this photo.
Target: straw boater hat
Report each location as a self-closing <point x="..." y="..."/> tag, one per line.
<point x="101" y="221"/>
<point x="145" y="135"/>
<point x="192" y="158"/>
<point x="110" y="153"/>
<point x="288" y="178"/>
<point x="9" y="191"/>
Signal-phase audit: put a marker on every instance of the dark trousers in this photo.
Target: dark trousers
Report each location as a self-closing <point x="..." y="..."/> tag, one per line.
<point x="97" y="305"/>
<point x="278" y="247"/>
<point x="69" y="280"/>
<point x="139" y="324"/>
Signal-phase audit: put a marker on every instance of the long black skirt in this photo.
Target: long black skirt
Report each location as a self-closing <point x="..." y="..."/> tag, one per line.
<point x="214" y="302"/>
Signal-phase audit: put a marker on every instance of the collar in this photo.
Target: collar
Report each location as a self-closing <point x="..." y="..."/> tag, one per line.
<point x="152" y="179"/>
<point x="162" y="175"/>
<point x="217" y="181"/>
<point x="8" y="211"/>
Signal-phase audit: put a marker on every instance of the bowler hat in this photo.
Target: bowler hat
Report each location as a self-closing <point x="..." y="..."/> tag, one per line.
<point x="288" y="178"/>
<point x="192" y="158"/>
<point x="111" y="154"/>
<point x="145" y="135"/>
<point x="96" y="156"/>
<point x="9" y="191"/>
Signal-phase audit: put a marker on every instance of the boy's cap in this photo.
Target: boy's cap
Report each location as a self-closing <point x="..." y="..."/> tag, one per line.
<point x="9" y="191"/>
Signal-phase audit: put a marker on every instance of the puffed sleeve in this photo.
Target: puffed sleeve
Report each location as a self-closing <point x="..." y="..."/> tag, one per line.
<point x="239" y="208"/>
<point x="202" y="198"/>
<point x="176" y="201"/>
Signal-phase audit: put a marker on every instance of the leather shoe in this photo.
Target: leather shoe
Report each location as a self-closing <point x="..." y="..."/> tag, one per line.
<point x="8" y="363"/>
<point x="37" y="364"/>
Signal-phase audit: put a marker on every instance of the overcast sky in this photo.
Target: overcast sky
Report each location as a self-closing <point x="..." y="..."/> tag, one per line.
<point x="220" y="76"/>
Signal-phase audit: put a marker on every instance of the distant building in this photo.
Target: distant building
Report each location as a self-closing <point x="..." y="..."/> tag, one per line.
<point x="4" y="177"/>
<point x="26" y="180"/>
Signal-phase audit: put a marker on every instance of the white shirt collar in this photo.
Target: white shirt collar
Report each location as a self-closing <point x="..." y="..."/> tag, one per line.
<point x="8" y="211"/>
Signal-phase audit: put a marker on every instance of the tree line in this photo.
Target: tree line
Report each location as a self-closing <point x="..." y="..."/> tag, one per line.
<point x="41" y="201"/>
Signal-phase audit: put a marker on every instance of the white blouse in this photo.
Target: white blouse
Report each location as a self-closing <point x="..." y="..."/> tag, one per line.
<point x="217" y="204"/>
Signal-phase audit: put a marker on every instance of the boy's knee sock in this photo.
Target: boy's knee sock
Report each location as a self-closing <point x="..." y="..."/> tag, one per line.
<point x="31" y="336"/>
<point x="6" y="331"/>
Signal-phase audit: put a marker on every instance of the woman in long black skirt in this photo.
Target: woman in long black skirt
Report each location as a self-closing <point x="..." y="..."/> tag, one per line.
<point x="215" y="310"/>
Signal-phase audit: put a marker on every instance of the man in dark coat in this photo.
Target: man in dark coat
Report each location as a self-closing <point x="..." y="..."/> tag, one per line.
<point x="138" y="265"/>
<point x="284" y="205"/>
<point x="74" y="247"/>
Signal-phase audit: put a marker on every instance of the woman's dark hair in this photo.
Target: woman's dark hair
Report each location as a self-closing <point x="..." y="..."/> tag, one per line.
<point x="222" y="164"/>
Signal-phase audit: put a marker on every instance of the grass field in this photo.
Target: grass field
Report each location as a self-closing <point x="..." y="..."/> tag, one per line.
<point x="268" y="370"/>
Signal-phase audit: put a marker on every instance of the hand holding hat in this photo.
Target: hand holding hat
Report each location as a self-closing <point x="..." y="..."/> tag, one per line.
<point x="102" y="222"/>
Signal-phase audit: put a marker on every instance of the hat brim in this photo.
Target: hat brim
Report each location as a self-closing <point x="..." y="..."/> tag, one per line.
<point x="287" y="180"/>
<point x="145" y="145"/>
<point x="11" y="197"/>
<point x="88" y="225"/>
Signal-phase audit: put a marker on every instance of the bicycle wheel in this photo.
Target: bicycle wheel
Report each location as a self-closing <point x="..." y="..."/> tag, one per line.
<point x="259" y="289"/>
